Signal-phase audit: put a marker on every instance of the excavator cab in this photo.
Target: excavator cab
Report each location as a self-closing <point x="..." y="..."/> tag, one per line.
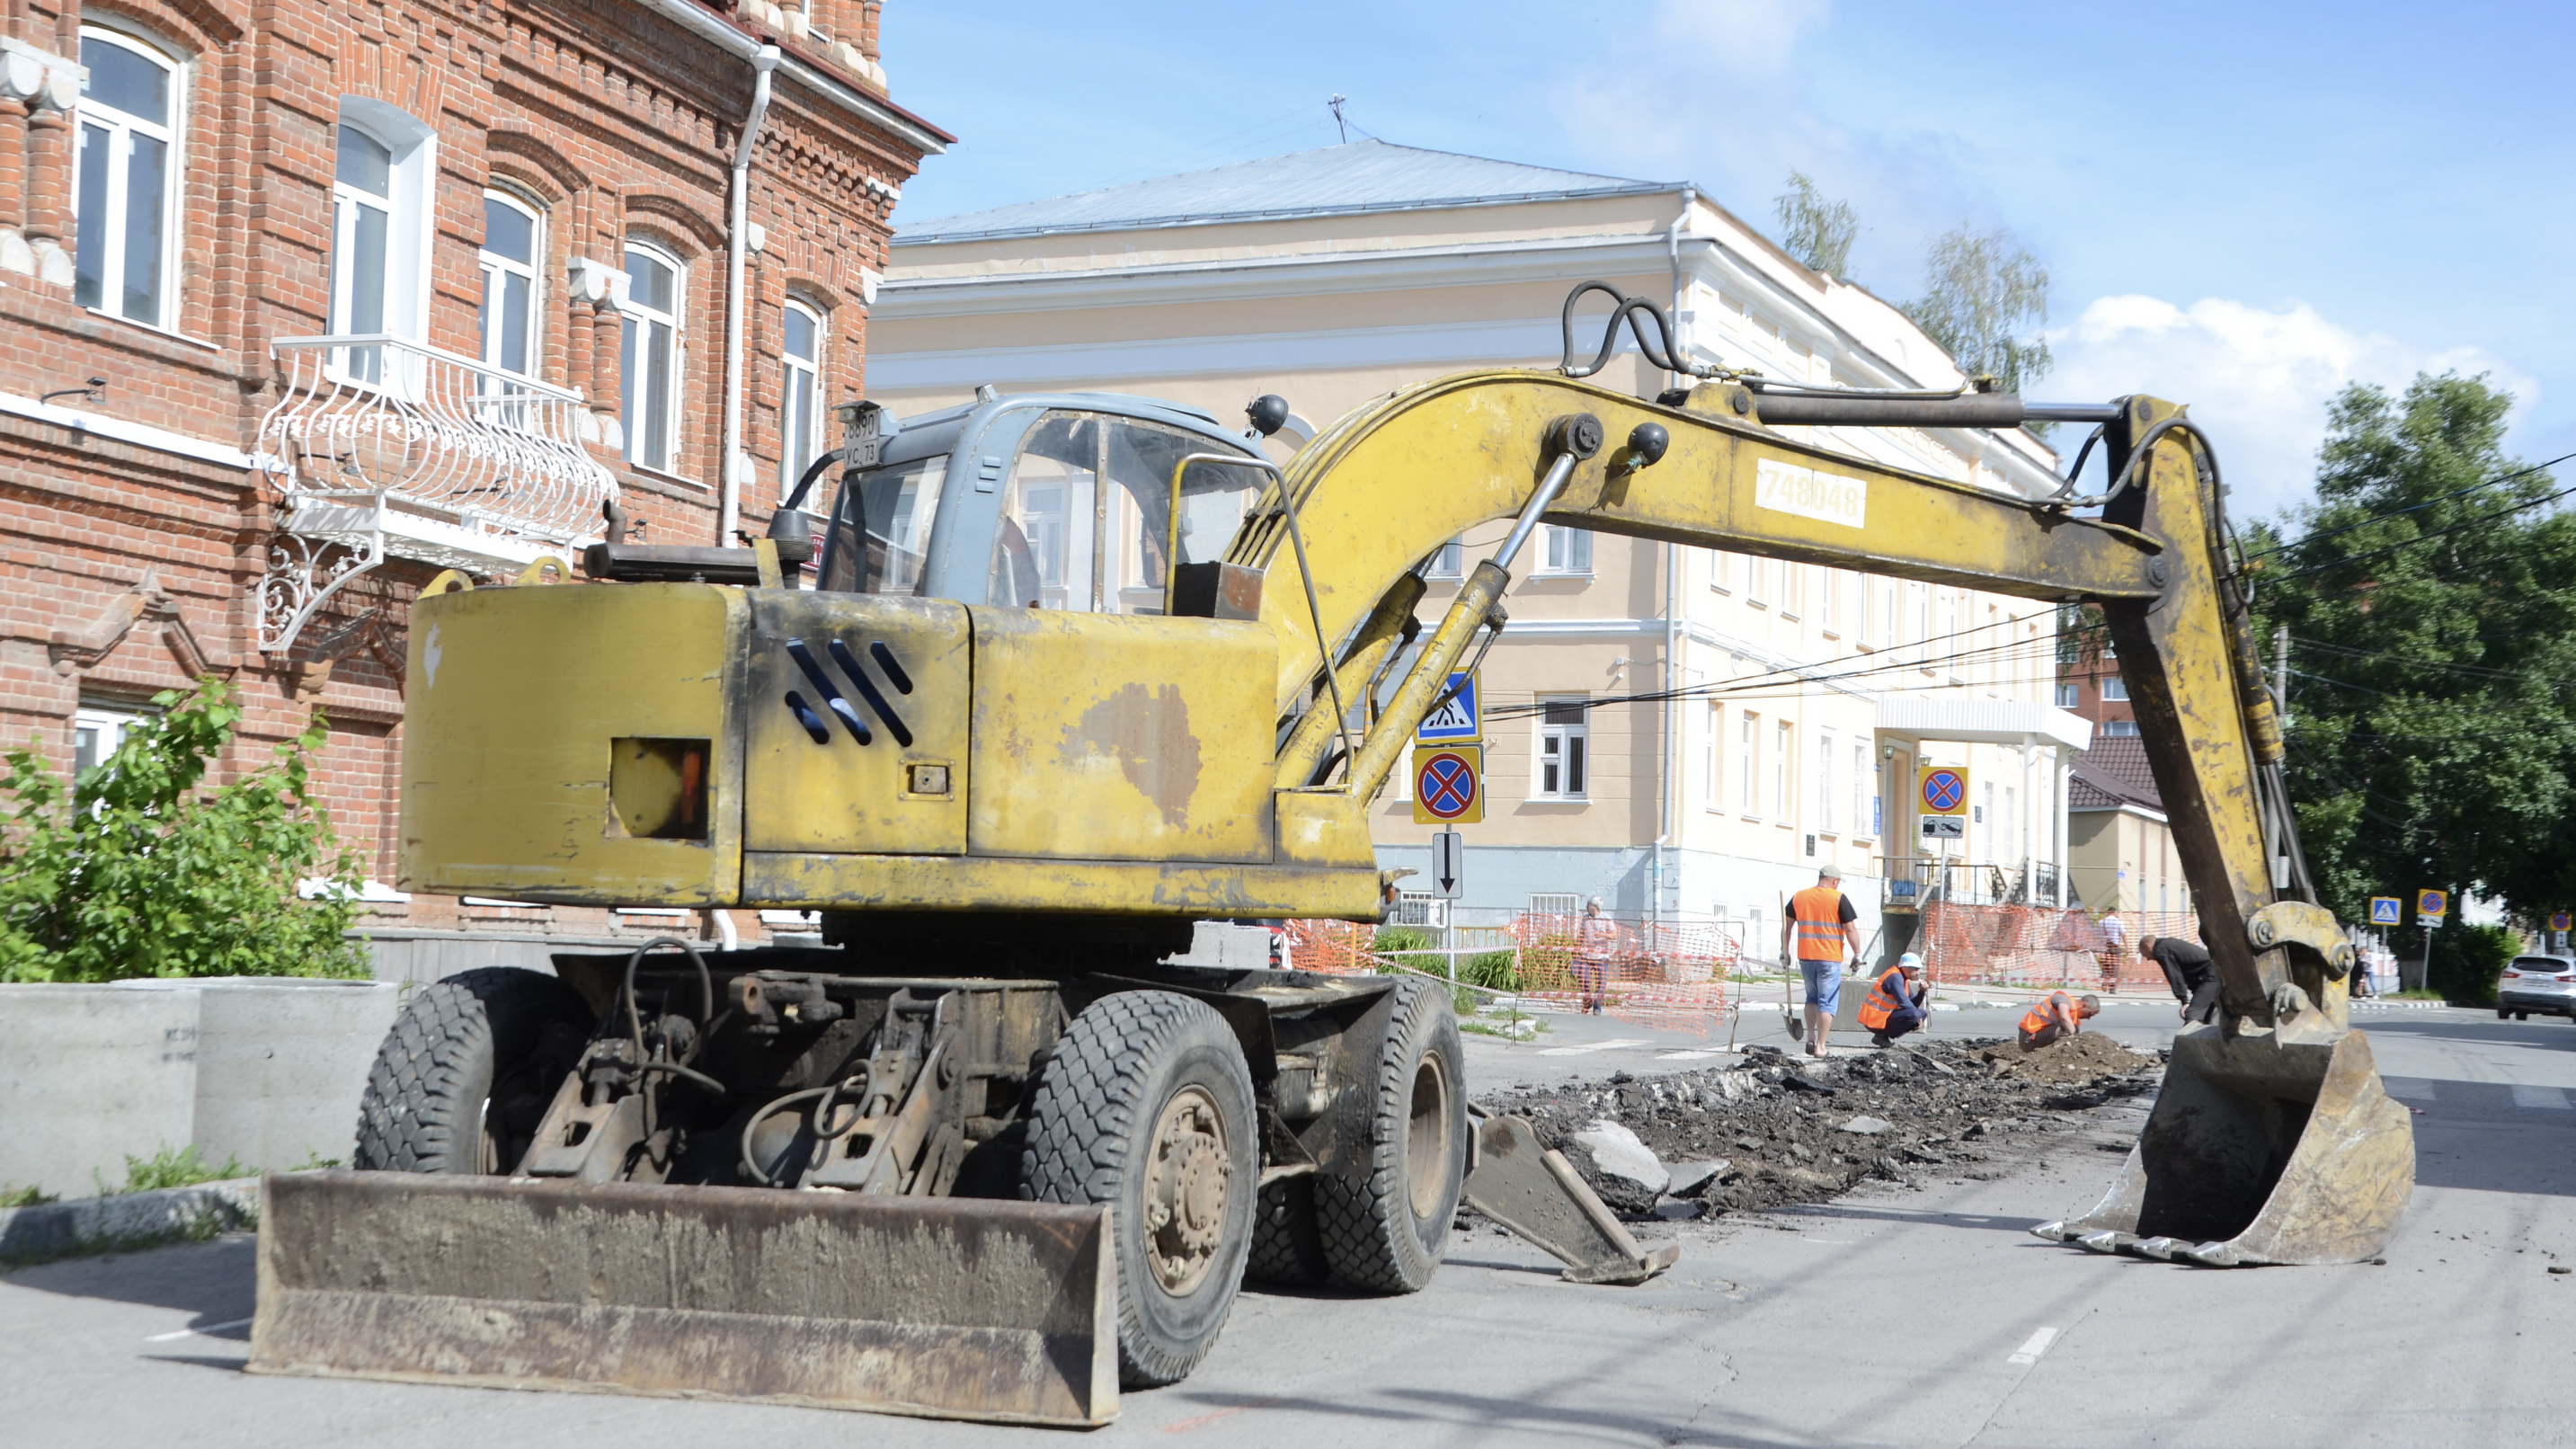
<point x="1036" y="501"/>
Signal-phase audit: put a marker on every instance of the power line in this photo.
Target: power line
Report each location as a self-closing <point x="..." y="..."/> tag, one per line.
<point x="2414" y="507"/>
<point x="2424" y="538"/>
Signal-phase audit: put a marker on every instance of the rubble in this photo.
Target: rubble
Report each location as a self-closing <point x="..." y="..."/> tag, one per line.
<point x="1773" y="1129"/>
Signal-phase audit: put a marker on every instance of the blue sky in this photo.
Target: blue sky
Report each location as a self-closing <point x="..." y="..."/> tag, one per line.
<point x="2243" y="206"/>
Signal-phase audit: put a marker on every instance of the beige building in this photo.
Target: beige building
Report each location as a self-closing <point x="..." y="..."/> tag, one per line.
<point x="1687" y="734"/>
<point x="2120" y="850"/>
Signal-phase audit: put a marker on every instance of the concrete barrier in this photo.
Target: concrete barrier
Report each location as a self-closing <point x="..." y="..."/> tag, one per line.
<point x="265" y="1069"/>
<point x="31" y="1234"/>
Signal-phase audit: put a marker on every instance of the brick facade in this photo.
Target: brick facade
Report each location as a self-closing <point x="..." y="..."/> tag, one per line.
<point x="134" y="528"/>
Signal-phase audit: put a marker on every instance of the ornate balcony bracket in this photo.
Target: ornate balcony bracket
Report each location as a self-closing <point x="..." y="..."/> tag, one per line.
<point x="386" y="448"/>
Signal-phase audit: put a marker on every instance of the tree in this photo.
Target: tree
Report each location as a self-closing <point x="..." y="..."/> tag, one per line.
<point x="130" y="870"/>
<point x="2432" y="614"/>
<point x="1983" y="297"/>
<point x="1816" y="230"/>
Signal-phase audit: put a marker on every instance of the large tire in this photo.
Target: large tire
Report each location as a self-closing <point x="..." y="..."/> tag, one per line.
<point x="1287" y="1247"/>
<point x="431" y="1103"/>
<point x="1123" y="1116"/>
<point x="1386" y="1227"/>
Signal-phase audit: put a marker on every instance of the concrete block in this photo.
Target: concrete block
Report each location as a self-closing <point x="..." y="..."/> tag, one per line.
<point x="1226" y="946"/>
<point x="58" y="1227"/>
<point x="268" y="1069"/>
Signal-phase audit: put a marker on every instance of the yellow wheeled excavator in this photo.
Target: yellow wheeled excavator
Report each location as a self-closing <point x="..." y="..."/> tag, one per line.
<point x="1080" y="672"/>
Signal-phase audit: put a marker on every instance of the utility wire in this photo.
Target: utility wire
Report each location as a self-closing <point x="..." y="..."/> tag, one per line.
<point x="2414" y="508"/>
<point x="2424" y="538"/>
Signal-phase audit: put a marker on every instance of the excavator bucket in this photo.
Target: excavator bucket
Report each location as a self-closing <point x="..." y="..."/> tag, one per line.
<point x="953" y="1308"/>
<point x="2259" y="1151"/>
<point x="1537" y="1194"/>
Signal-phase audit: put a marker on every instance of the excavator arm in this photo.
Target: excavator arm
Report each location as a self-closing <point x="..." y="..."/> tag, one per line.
<point x="2273" y="1141"/>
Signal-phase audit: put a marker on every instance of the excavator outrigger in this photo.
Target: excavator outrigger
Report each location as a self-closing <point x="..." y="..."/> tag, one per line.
<point x="998" y="1146"/>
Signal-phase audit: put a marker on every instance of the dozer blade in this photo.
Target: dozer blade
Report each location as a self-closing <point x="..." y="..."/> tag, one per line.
<point x="949" y="1307"/>
<point x="1538" y="1195"/>
<point x="2259" y="1151"/>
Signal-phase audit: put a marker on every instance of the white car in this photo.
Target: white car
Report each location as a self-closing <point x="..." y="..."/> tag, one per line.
<point x="2545" y="984"/>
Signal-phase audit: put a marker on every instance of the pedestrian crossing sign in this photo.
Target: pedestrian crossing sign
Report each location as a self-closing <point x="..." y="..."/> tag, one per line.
<point x="1457" y="712"/>
<point x="2383" y="911"/>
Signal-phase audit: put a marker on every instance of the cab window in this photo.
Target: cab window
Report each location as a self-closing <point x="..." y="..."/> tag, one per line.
<point x="1066" y="542"/>
<point x="880" y="534"/>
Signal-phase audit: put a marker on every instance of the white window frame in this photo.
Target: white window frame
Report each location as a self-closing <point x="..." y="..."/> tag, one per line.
<point x="636" y="318"/>
<point x="1448" y="561"/>
<point x="1784" y="755"/>
<point x="495" y="268"/>
<point x="2069" y="694"/>
<point x="1748" y="763"/>
<point x="1717" y="573"/>
<point x="2119" y="728"/>
<point x="2115" y="689"/>
<point x="112" y="726"/>
<point x="1712" y="787"/>
<point x="1571" y="755"/>
<point x="1825" y="752"/>
<point x="1864" y="795"/>
<point x="1564" y="552"/>
<point x="413" y="147"/>
<point x="800" y="395"/>
<point x="122" y="129"/>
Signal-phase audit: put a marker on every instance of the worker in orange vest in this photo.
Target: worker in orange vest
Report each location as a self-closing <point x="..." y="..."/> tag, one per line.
<point x="1895" y="1004"/>
<point x="1820" y="929"/>
<point x="2058" y="1016"/>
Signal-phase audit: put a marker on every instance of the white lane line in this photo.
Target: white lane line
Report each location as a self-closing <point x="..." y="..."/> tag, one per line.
<point x="190" y="1332"/>
<point x="2552" y="1098"/>
<point x="2034" y="1346"/>
<point x="1598" y="1046"/>
<point x="1696" y="1056"/>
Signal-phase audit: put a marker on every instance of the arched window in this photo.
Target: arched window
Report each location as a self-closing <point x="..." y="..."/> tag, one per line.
<point x="800" y="392"/>
<point x="513" y="245"/>
<point x="379" y="221"/>
<point x="129" y="178"/>
<point x="655" y="285"/>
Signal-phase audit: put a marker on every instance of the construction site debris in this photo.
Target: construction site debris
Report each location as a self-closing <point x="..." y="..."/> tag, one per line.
<point x="2084" y="1057"/>
<point x="1945" y="1108"/>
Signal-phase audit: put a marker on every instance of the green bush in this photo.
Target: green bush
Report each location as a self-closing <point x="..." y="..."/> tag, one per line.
<point x="1491" y="970"/>
<point x="131" y="870"/>
<point x="2468" y="961"/>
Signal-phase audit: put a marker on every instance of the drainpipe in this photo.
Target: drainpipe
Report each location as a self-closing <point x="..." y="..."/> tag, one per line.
<point x="729" y="511"/>
<point x="1671" y="782"/>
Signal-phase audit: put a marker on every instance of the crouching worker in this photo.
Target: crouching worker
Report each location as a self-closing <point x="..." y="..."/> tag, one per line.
<point x="1895" y="1004"/>
<point x="2056" y="1017"/>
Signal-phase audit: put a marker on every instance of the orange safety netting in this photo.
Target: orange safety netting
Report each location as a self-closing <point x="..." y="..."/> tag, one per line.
<point x="1670" y="976"/>
<point x="2042" y="946"/>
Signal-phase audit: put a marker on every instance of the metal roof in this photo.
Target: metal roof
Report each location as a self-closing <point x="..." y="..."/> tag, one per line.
<point x="2112" y="774"/>
<point x="1359" y="176"/>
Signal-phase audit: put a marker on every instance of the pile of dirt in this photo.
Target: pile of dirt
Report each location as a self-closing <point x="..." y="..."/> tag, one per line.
<point x="1782" y="1129"/>
<point x="2084" y="1057"/>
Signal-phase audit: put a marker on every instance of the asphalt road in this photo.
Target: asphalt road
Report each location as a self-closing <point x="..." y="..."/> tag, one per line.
<point x="1892" y="1317"/>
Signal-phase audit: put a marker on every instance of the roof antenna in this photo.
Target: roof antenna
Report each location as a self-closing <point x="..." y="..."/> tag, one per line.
<point x="1338" y="120"/>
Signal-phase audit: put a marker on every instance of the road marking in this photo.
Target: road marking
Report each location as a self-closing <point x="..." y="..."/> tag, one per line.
<point x="2034" y="1346"/>
<point x="1697" y="1056"/>
<point x="1186" y="1425"/>
<point x="211" y="1328"/>
<point x="1598" y="1046"/>
<point x="2553" y="1098"/>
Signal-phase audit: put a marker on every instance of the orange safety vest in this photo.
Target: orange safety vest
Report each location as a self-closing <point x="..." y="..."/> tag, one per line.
<point x="1885" y="999"/>
<point x="2057" y="1010"/>
<point x="1818" y="911"/>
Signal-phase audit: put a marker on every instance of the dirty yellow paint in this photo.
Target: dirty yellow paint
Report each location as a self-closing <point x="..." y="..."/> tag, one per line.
<point x="516" y="694"/>
<point x="1110" y="737"/>
<point x="837" y="794"/>
<point x="1095" y="887"/>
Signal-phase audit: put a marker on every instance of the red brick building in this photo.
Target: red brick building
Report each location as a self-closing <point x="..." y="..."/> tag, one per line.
<point x="302" y="303"/>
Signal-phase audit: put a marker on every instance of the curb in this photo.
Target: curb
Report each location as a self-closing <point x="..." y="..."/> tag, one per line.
<point x="55" y="1229"/>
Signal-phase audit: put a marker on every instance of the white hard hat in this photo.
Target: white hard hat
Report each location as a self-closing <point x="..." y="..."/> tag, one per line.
<point x="1910" y="962"/>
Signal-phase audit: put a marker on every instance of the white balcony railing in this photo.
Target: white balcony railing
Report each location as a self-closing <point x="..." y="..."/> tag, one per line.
<point x="387" y="448"/>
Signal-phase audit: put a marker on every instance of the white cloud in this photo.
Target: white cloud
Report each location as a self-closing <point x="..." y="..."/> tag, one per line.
<point x="2258" y="380"/>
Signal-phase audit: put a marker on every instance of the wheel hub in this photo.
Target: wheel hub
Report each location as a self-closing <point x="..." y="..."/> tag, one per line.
<point x="1185" y="1191"/>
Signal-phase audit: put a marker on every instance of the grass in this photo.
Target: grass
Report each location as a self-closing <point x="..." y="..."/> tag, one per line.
<point x="2415" y="994"/>
<point x="18" y="1197"/>
<point x="169" y="1168"/>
